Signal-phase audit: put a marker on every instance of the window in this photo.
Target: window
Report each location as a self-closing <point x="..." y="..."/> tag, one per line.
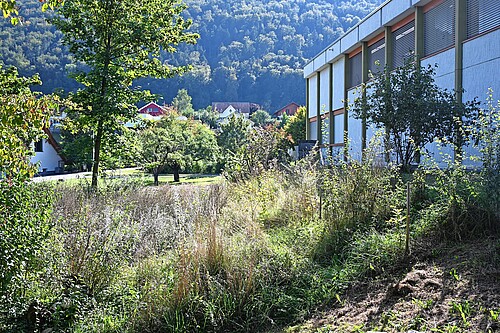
<point x="403" y="44"/>
<point x="376" y="56"/>
<point x="355" y="71"/>
<point x="39" y="146"/>
<point x="439" y="27"/>
<point x="482" y="15"/>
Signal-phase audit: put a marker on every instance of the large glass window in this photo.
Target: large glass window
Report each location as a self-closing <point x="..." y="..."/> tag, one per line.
<point x="439" y="27"/>
<point x="403" y="44"/>
<point x="376" y="56"/>
<point x="482" y="15"/>
<point x="355" y="70"/>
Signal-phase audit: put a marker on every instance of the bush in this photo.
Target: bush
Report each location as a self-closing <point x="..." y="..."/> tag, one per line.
<point x="24" y="228"/>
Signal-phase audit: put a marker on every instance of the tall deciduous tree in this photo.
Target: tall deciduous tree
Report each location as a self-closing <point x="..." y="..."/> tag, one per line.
<point x="413" y="110"/>
<point x="119" y="41"/>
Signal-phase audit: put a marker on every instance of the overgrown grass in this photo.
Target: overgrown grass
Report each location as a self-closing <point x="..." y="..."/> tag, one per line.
<point x="229" y="256"/>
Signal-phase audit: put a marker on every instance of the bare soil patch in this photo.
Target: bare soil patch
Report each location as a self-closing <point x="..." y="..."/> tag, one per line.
<point x="446" y="287"/>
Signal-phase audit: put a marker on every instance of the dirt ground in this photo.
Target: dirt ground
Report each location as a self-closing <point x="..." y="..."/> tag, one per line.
<point x="444" y="288"/>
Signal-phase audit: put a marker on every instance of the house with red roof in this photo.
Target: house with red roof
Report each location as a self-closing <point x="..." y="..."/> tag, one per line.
<point x="290" y="109"/>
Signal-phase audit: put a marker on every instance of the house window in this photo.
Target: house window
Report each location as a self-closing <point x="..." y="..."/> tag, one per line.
<point x="376" y="56"/>
<point x="403" y="44"/>
<point x="355" y="71"/>
<point x="439" y="27"/>
<point x="39" y="146"/>
<point x="482" y="15"/>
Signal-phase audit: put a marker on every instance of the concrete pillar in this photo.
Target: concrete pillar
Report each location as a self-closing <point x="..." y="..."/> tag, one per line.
<point x="419" y="34"/>
<point x="308" y="107"/>
<point x="331" y="122"/>
<point x="388" y="47"/>
<point x="460" y="36"/>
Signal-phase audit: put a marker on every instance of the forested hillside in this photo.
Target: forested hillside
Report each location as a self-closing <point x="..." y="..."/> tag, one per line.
<point x="247" y="51"/>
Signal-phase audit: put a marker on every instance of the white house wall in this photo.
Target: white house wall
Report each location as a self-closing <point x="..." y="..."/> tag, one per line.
<point x="370" y="25"/>
<point x="445" y="79"/>
<point x="394" y="9"/>
<point x="339" y="128"/>
<point x="314" y="131"/>
<point x="482" y="66"/>
<point x="354" y="128"/>
<point x="445" y="71"/>
<point x="481" y="55"/>
<point x="324" y="90"/>
<point x="481" y="61"/>
<point x="48" y="160"/>
<point x="313" y="103"/>
<point x="349" y="40"/>
<point x="338" y="84"/>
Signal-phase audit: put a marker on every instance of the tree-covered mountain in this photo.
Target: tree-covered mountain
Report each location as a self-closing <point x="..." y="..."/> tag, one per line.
<point x="247" y="51"/>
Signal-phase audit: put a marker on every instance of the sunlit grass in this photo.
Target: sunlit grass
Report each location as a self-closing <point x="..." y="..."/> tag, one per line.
<point x="143" y="177"/>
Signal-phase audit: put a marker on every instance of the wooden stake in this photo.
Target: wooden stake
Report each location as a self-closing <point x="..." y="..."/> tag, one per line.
<point x="407" y="245"/>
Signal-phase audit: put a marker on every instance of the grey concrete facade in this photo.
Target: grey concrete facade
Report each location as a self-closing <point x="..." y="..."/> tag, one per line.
<point x="471" y="63"/>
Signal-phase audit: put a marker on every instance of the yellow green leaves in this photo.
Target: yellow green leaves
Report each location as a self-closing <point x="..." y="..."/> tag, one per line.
<point x="23" y="115"/>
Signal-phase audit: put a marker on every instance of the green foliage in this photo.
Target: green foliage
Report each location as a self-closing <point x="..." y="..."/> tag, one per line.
<point x="413" y="110"/>
<point x="207" y="116"/>
<point x="233" y="134"/>
<point x="10" y="8"/>
<point x="182" y="103"/>
<point x="23" y="115"/>
<point x="119" y="42"/>
<point x="357" y="197"/>
<point x="247" y="51"/>
<point x="24" y="227"/>
<point x="488" y="143"/>
<point x="178" y="145"/>
<point x="261" y="118"/>
<point x="265" y="149"/>
<point x="296" y="126"/>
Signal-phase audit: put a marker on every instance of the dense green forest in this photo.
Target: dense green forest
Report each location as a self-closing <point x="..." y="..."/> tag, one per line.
<point x="247" y="51"/>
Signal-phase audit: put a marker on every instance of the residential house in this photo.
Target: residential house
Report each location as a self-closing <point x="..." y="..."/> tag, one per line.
<point x="48" y="155"/>
<point x="461" y="36"/>
<point x="245" y="108"/>
<point x="150" y="111"/>
<point x="290" y="109"/>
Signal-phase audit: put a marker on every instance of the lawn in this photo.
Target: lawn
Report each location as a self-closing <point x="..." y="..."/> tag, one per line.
<point x="144" y="177"/>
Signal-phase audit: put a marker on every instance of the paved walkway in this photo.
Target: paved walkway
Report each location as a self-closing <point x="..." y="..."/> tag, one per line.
<point x="77" y="175"/>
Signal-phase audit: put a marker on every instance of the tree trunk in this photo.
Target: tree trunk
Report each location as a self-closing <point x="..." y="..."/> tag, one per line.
<point x="97" y="151"/>
<point x="176" y="175"/>
<point x="155" y="177"/>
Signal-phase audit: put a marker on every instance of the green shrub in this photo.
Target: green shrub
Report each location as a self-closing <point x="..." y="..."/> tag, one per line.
<point x="24" y="228"/>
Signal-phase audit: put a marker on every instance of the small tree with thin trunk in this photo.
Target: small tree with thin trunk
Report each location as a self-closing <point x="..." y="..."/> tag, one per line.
<point x="119" y="41"/>
<point x="414" y="111"/>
